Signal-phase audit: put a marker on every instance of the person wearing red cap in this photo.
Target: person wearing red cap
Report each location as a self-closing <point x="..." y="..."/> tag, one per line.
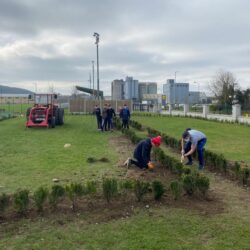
<point x="142" y="152"/>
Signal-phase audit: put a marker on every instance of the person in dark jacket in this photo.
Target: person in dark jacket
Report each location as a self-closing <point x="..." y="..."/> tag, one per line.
<point x="125" y="116"/>
<point x="98" y="114"/>
<point x="142" y="152"/>
<point x="193" y="140"/>
<point x="105" y="117"/>
<point x="111" y="114"/>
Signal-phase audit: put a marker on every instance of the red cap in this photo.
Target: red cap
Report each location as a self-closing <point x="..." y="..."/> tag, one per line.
<point x="156" y="140"/>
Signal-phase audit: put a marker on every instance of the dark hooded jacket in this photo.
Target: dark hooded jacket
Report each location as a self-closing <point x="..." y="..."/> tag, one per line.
<point x="142" y="152"/>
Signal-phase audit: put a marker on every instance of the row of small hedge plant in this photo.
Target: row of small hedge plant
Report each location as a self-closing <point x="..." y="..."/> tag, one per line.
<point x="191" y="181"/>
<point x="213" y="160"/>
<point x="150" y="114"/>
<point x="43" y="198"/>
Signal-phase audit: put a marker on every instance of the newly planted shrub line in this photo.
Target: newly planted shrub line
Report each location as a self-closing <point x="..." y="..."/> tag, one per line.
<point x="213" y="160"/>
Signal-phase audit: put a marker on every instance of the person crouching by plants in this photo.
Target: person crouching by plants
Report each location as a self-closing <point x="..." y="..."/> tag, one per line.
<point x="142" y="153"/>
<point x="192" y="140"/>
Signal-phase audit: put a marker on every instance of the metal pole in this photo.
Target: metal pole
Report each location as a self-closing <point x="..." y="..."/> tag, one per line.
<point x="93" y="75"/>
<point x="97" y="62"/>
<point x="90" y="80"/>
<point x="96" y="35"/>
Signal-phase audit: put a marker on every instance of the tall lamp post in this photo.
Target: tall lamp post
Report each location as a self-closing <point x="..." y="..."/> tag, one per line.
<point x="93" y="76"/>
<point x="96" y="35"/>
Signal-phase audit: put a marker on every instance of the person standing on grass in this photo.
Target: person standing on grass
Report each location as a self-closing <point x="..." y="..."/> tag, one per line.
<point x="125" y="116"/>
<point x="98" y="114"/>
<point x="105" y="117"/>
<point x="192" y="140"/>
<point x="142" y="152"/>
<point x="110" y="114"/>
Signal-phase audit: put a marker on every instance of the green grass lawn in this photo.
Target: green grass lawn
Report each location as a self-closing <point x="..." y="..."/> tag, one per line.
<point x="232" y="140"/>
<point x="30" y="158"/>
<point x="33" y="157"/>
<point x="163" y="228"/>
<point x="15" y="108"/>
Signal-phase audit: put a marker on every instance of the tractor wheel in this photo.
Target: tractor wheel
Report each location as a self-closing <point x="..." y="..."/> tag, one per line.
<point x="28" y="113"/>
<point x="61" y="116"/>
<point x="53" y="122"/>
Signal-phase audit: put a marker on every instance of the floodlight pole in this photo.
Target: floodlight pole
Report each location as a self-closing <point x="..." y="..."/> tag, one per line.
<point x="96" y="35"/>
<point x="93" y="76"/>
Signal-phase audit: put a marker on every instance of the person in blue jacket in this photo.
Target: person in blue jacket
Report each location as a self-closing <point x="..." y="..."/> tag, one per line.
<point x="125" y="116"/>
<point x="193" y="140"/>
<point x="142" y="152"/>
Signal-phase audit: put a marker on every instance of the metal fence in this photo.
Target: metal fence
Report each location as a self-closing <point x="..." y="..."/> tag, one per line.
<point x="80" y="105"/>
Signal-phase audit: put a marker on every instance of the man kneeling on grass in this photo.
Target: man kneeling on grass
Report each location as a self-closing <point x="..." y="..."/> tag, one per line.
<point x="192" y="140"/>
<point x="142" y="153"/>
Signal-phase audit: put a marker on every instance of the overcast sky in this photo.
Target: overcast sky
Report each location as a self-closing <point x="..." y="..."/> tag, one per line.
<point x="50" y="42"/>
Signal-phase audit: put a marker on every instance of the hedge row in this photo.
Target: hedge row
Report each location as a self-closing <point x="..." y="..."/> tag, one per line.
<point x="213" y="160"/>
<point x="190" y="180"/>
<point x="190" y="116"/>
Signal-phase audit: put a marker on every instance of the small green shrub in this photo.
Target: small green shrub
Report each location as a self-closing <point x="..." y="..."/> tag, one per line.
<point x="127" y="184"/>
<point x="202" y="183"/>
<point x="189" y="183"/>
<point x="158" y="189"/>
<point x="40" y="196"/>
<point x="176" y="188"/>
<point x="140" y="189"/>
<point x="21" y="201"/>
<point x="109" y="188"/>
<point x="4" y="202"/>
<point x="237" y="168"/>
<point x="91" y="187"/>
<point x="186" y="170"/>
<point x="56" y="194"/>
<point x="74" y="190"/>
<point x="245" y="174"/>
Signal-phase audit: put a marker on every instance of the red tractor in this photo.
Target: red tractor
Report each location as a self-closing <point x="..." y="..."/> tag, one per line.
<point x="45" y="112"/>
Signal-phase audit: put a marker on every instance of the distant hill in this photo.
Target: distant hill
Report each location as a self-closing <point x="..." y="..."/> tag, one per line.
<point x="11" y="90"/>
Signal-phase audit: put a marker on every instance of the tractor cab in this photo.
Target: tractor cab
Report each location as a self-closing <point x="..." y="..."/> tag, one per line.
<point x="45" y="112"/>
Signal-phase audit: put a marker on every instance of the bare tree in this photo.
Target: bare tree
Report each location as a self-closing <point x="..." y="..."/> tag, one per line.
<point x="224" y="86"/>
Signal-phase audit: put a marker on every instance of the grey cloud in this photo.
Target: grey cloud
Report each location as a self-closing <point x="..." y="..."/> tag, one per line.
<point x="206" y="35"/>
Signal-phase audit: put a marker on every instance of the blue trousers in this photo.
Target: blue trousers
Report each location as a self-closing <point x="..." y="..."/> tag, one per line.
<point x="200" y="150"/>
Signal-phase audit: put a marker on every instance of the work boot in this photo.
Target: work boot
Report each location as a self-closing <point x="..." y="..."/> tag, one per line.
<point x="201" y="167"/>
<point x="189" y="163"/>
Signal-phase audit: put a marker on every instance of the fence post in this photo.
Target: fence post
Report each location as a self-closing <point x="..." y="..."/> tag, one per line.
<point x="236" y="111"/>
<point x="186" y="109"/>
<point x="205" y="110"/>
<point x="170" y="109"/>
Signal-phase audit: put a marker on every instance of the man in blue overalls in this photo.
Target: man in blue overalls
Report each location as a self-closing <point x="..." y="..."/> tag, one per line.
<point x="192" y="140"/>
